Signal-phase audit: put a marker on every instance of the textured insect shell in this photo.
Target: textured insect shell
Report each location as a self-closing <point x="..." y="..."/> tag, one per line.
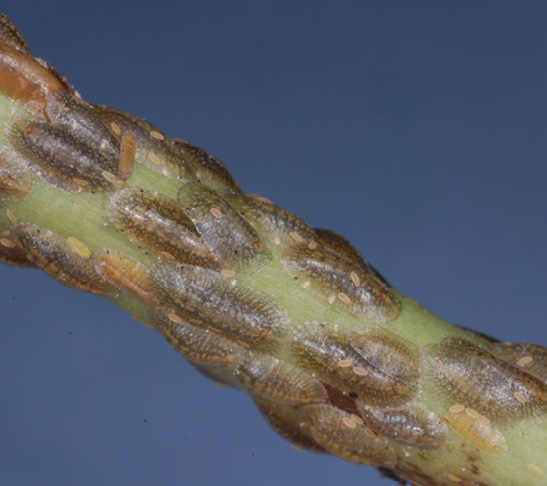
<point x="480" y="434"/>
<point x="153" y="149"/>
<point x="340" y="434"/>
<point x="327" y="352"/>
<point x="273" y="222"/>
<point x="342" y="246"/>
<point x="286" y="421"/>
<point x="458" y="372"/>
<point x="125" y="272"/>
<point x="233" y="241"/>
<point x="220" y="375"/>
<point x="393" y="361"/>
<point x="15" y="175"/>
<point x="528" y="357"/>
<point x="208" y="169"/>
<point x="75" y="116"/>
<point x="61" y="159"/>
<point x="414" y="426"/>
<point x="279" y="381"/>
<point x="237" y="311"/>
<point x="157" y="224"/>
<point x="9" y="34"/>
<point x="198" y="344"/>
<point x="338" y="280"/>
<point x="11" y="253"/>
<point x="54" y="256"/>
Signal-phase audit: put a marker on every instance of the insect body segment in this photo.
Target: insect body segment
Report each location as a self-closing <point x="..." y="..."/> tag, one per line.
<point x="152" y="148"/>
<point x="63" y="160"/>
<point x="208" y="169"/>
<point x="344" y="435"/>
<point x="338" y="280"/>
<point x="157" y="224"/>
<point x="461" y="373"/>
<point x="233" y="241"/>
<point x="15" y="177"/>
<point x="277" y="224"/>
<point x="279" y="381"/>
<point x="359" y="365"/>
<point x="60" y="260"/>
<point x="239" y="312"/>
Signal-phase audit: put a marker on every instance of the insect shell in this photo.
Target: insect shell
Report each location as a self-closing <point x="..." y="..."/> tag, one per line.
<point x="527" y="357"/>
<point x="208" y="169"/>
<point x="233" y="241"/>
<point x="360" y="365"/>
<point x="9" y="34"/>
<point x="15" y="175"/>
<point x="477" y="430"/>
<point x="127" y="273"/>
<point x="157" y="224"/>
<point x="197" y="343"/>
<point x="63" y="160"/>
<point x="66" y="260"/>
<point x="341" y="282"/>
<point x="414" y="426"/>
<point x="345" y="436"/>
<point x="240" y="313"/>
<point x="276" y="224"/>
<point x="287" y="422"/>
<point x="152" y="148"/>
<point x="339" y="244"/>
<point x="458" y="372"/>
<point x="279" y="381"/>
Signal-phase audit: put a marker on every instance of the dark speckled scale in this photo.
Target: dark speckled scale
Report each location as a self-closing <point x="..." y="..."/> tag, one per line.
<point x="153" y="148"/>
<point x="237" y="311"/>
<point x="157" y="224"/>
<point x="340" y="281"/>
<point x="63" y="160"/>
<point x="54" y="255"/>
<point x="233" y="241"/>
<point x="461" y="373"/>
<point x="276" y="224"/>
<point x="377" y="369"/>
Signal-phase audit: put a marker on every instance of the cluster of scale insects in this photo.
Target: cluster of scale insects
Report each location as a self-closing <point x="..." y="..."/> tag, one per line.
<point x="325" y="387"/>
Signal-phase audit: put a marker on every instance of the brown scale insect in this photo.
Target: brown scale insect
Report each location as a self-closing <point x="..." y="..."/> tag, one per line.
<point x="73" y="115"/>
<point x="9" y="34"/>
<point x="279" y="381"/>
<point x="458" y="372"/>
<point x="286" y="421"/>
<point x="377" y="381"/>
<point x="55" y="256"/>
<point x="157" y="224"/>
<point x="63" y="160"/>
<point x="198" y="344"/>
<point x="15" y="175"/>
<point x="276" y="224"/>
<point x="208" y="169"/>
<point x="127" y="154"/>
<point x="11" y="253"/>
<point x="393" y="361"/>
<point x="339" y="244"/>
<point x="153" y="149"/>
<point x="334" y="278"/>
<point x="233" y="241"/>
<point x="125" y="272"/>
<point x="341" y="434"/>
<point x="414" y="426"/>
<point x="237" y="311"/>
<point x="530" y="358"/>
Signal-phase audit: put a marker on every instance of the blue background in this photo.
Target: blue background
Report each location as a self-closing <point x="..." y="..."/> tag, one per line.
<point x="416" y="129"/>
